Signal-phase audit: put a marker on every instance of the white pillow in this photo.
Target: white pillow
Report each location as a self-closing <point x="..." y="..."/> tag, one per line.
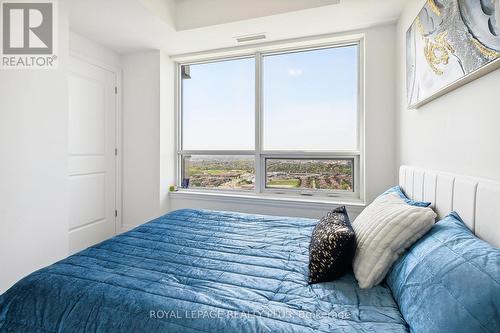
<point x="384" y="230"/>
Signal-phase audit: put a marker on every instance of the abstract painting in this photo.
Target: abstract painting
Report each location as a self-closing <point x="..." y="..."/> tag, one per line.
<point x="450" y="40"/>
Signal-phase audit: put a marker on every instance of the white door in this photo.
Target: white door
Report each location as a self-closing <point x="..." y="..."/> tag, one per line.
<point x="92" y="154"/>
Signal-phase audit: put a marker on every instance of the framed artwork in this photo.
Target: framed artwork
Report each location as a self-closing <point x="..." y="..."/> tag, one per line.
<point x="450" y="43"/>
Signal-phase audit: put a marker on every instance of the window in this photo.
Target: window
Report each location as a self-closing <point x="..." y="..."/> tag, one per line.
<point x="310" y="174"/>
<point x="280" y="122"/>
<point x="220" y="171"/>
<point x="218" y="106"/>
<point x="310" y="100"/>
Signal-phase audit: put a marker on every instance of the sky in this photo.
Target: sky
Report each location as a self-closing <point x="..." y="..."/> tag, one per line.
<point x="309" y="102"/>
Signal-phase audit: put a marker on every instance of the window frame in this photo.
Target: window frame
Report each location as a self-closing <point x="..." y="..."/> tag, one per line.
<point x="260" y="155"/>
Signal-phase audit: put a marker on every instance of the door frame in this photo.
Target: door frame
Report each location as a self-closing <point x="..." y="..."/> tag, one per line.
<point x="118" y="133"/>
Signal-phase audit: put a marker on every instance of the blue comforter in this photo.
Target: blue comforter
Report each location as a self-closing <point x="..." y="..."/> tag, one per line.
<point x="197" y="271"/>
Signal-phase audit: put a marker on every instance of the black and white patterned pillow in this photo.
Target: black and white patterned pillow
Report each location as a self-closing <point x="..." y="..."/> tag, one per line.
<point x="332" y="248"/>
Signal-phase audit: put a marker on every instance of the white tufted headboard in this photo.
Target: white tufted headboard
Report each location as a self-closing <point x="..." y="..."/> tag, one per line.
<point x="476" y="200"/>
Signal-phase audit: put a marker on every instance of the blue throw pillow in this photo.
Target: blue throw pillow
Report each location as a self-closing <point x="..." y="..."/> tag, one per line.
<point x="399" y="191"/>
<point x="448" y="281"/>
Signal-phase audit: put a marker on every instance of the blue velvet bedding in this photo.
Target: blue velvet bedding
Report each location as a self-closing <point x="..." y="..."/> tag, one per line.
<point x="197" y="271"/>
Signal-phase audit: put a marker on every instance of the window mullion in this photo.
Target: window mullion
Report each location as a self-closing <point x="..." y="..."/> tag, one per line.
<point x="259" y="172"/>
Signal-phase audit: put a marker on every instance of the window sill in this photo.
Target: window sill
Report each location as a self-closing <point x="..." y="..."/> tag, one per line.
<point x="355" y="205"/>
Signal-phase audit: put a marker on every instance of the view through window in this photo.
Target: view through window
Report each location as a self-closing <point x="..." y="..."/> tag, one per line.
<point x="308" y="133"/>
<point x="309" y="174"/>
<point x="220" y="171"/>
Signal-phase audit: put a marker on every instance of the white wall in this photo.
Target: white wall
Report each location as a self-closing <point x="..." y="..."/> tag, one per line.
<point x="380" y="110"/>
<point x="90" y="50"/>
<point x="141" y="117"/>
<point x="380" y="113"/>
<point x="167" y="129"/>
<point x="458" y="132"/>
<point x="33" y="166"/>
<point x="147" y="107"/>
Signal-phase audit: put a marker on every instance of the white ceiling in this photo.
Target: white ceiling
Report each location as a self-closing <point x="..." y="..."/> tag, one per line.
<point x="190" y="14"/>
<point x="133" y="25"/>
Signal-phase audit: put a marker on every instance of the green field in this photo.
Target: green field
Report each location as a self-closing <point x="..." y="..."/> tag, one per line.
<point x="214" y="172"/>
<point x="284" y="183"/>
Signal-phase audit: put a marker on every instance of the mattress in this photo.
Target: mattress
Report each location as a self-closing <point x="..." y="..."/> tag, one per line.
<point x="197" y="271"/>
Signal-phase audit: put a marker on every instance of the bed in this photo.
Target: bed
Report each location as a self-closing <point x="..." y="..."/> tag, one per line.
<point x="211" y="271"/>
<point x="197" y="271"/>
